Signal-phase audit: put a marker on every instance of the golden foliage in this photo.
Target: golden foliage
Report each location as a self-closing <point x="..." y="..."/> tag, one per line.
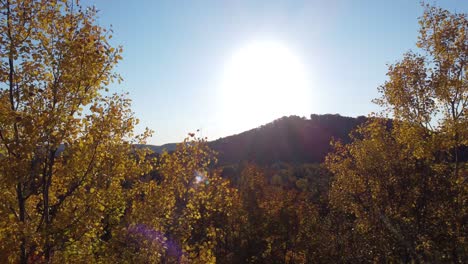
<point x="402" y="180"/>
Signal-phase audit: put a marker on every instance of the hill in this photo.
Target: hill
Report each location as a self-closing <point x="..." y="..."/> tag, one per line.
<point x="291" y="139"/>
<point x="159" y="149"/>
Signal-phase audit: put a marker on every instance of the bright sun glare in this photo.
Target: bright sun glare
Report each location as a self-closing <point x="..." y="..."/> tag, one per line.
<point x="261" y="82"/>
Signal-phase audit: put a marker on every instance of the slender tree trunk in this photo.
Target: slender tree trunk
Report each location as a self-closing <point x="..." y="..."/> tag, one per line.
<point x="458" y="194"/>
<point x="47" y="179"/>
<point x="45" y="196"/>
<point x="19" y="186"/>
<point x="21" y="205"/>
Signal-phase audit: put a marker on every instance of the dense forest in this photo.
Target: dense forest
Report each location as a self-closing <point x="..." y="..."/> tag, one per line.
<point x="78" y="185"/>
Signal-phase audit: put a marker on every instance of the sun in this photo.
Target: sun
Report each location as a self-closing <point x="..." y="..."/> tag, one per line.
<point x="263" y="81"/>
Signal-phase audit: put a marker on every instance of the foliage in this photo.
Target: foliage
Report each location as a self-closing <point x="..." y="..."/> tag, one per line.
<point x="281" y="218"/>
<point x="186" y="216"/>
<point x="77" y="185"/>
<point x="65" y="147"/>
<point x="403" y="184"/>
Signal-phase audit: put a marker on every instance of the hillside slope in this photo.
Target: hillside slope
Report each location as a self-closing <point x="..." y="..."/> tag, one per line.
<point x="288" y="139"/>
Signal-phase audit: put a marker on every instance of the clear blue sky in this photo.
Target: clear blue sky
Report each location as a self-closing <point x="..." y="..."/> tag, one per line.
<point x="174" y="52"/>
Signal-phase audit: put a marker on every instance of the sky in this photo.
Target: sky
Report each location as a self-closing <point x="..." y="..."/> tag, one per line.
<point x="176" y="52"/>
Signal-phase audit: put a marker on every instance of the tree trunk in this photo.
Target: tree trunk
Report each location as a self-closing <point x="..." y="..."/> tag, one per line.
<point x="21" y="205"/>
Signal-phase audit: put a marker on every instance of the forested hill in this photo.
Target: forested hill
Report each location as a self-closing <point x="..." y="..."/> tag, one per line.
<point x="287" y="139"/>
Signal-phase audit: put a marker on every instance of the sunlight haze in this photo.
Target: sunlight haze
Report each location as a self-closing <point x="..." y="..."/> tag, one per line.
<point x="262" y="81"/>
<point x="175" y="57"/>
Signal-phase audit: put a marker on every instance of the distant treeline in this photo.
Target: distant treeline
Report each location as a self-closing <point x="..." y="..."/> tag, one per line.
<point x="288" y="139"/>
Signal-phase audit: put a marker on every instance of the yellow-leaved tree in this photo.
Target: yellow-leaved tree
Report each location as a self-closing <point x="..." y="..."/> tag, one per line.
<point x="402" y="183"/>
<point x="185" y="214"/>
<point x="65" y="148"/>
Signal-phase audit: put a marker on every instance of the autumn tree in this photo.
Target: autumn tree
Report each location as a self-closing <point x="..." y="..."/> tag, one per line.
<point x="428" y="93"/>
<point x="65" y="146"/>
<point x="185" y="215"/>
<point x="280" y="223"/>
<point x="403" y="182"/>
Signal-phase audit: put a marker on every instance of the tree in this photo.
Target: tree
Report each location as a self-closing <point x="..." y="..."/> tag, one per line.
<point x="280" y="224"/>
<point x="429" y="90"/>
<point x="186" y="216"/>
<point x="403" y="183"/>
<point x="65" y="147"/>
<point x="429" y="93"/>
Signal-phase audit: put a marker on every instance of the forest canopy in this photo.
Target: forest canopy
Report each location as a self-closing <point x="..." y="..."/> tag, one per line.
<point x="77" y="185"/>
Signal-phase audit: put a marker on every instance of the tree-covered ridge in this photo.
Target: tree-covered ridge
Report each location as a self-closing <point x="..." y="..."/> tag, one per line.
<point x="291" y="139"/>
<point x="288" y="139"/>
